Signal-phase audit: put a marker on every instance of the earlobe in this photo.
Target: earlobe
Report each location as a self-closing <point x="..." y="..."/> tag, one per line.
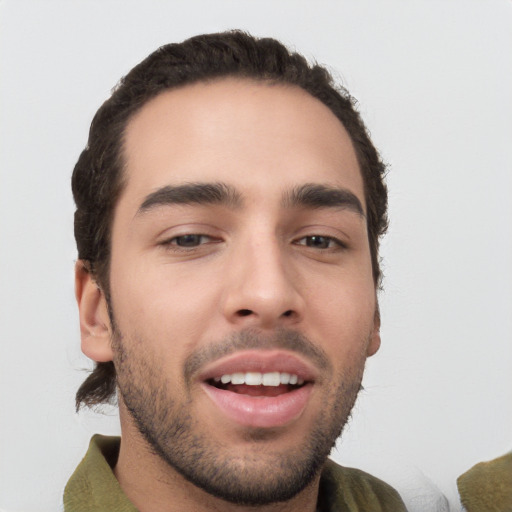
<point x="95" y="328"/>
<point x="374" y="342"/>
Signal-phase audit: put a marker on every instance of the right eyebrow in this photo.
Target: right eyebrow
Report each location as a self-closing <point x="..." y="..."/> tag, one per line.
<point x="315" y="195"/>
<point x="192" y="193"/>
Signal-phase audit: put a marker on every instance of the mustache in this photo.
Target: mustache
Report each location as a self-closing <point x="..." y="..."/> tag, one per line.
<point x="250" y="339"/>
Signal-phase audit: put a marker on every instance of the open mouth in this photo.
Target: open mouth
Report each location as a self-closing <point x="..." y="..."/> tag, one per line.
<point x="261" y="389"/>
<point x="256" y="384"/>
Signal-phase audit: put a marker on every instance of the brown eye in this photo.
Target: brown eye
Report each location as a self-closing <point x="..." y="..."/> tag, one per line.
<point x="189" y="240"/>
<point x="319" y="242"/>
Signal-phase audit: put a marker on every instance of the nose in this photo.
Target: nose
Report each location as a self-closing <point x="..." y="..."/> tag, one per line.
<point x="262" y="288"/>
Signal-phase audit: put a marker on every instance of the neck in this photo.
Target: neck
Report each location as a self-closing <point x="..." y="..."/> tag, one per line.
<point x="154" y="486"/>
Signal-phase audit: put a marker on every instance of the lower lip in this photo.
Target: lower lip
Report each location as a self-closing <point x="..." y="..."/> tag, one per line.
<point x="260" y="411"/>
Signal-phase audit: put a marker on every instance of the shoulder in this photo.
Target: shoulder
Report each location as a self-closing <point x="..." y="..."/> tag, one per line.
<point x="352" y="490"/>
<point x="487" y="485"/>
<point x="93" y="486"/>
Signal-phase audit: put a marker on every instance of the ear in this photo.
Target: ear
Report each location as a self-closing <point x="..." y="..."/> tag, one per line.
<point x="374" y="343"/>
<point x="95" y="328"/>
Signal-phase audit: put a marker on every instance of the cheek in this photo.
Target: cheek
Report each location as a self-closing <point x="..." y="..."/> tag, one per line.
<point x="162" y="303"/>
<point x="343" y="318"/>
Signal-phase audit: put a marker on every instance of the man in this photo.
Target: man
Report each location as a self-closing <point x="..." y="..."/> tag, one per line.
<point x="229" y="208"/>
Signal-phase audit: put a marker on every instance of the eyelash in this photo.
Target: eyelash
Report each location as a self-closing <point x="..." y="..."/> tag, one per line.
<point x="173" y="242"/>
<point x="332" y="242"/>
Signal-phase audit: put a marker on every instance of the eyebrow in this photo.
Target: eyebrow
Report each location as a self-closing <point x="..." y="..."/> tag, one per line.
<point x="309" y="195"/>
<point x="312" y="195"/>
<point x="192" y="193"/>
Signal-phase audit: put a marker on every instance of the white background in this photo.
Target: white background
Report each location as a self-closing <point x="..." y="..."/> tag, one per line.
<point x="434" y="80"/>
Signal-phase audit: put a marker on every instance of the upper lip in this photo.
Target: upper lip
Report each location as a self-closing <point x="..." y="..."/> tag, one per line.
<point x="263" y="361"/>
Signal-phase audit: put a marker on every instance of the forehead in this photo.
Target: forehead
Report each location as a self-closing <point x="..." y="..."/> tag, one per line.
<point x="254" y="135"/>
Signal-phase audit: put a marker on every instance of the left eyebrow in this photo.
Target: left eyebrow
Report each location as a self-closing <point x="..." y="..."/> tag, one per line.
<point x="312" y="195"/>
<point x="192" y="193"/>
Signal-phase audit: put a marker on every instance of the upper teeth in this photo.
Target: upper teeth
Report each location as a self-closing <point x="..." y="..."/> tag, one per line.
<point x="258" y="379"/>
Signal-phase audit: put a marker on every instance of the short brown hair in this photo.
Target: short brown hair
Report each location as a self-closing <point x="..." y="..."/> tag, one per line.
<point x="98" y="175"/>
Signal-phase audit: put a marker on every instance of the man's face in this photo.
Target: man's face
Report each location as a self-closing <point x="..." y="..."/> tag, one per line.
<point x="241" y="285"/>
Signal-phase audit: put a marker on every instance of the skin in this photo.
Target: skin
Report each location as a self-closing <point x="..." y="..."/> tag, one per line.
<point x="256" y="268"/>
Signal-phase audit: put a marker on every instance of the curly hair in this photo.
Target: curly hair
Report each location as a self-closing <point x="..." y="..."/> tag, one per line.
<point x="98" y="175"/>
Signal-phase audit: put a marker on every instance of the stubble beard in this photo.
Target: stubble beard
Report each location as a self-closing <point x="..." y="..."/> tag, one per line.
<point x="258" y="476"/>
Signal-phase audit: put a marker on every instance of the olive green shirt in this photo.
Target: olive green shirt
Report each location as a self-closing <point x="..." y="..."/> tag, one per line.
<point x="487" y="487"/>
<point x="94" y="488"/>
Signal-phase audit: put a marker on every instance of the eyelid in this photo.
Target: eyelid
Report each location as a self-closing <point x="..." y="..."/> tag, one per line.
<point x="199" y="235"/>
<point x="170" y="242"/>
<point x="339" y="243"/>
<point x="172" y="230"/>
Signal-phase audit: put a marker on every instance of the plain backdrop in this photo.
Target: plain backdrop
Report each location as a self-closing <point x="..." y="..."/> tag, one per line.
<point x="434" y="82"/>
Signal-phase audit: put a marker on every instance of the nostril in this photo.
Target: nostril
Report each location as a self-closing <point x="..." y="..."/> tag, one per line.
<point x="244" y="312"/>
<point x="288" y="313"/>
